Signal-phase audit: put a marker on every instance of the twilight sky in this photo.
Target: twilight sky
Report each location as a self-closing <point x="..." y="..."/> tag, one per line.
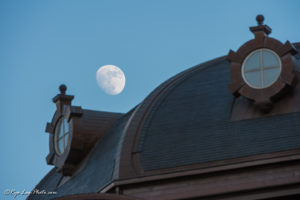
<point x="46" y="43"/>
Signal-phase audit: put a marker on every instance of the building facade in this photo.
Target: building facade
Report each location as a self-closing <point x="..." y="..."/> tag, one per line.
<point x="228" y="128"/>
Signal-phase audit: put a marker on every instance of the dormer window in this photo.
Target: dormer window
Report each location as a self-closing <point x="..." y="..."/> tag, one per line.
<point x="74" y="132"/>
<point x="261" y="68"/>
<point x="61" y="136"/>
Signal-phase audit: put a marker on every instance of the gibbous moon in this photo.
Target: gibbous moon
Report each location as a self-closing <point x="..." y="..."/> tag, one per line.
<point x="110" y="79"/>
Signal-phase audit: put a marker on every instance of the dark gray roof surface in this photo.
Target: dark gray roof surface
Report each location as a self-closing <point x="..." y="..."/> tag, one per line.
<point x="97" y="172"/>
<point x="190" y="124"/>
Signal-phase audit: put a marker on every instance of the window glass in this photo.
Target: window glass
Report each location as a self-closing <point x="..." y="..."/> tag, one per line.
<point x="252" y="62"/>
<point x="261" y="68"/>
<point x="61" y="129"/>
<point x="66" y="139"/>
<point x="271" y="76"/>
<point x="66" y="125"/>
<point x="61" y="145"/>
<point x="270" y="59"/>
<point x="61" y="137"/>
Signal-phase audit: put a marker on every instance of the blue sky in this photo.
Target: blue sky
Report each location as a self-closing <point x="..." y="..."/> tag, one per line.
<point x="46" y="43"/>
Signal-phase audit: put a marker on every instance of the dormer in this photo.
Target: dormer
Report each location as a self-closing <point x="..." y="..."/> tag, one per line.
<point x="73" y="132"/>
<point x="264" y="76"/>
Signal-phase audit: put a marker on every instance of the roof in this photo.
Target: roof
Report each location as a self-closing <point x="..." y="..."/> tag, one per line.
<point x="190" y="123"/>
<point x="184" y="121"/>
<point x="96" y="173"/>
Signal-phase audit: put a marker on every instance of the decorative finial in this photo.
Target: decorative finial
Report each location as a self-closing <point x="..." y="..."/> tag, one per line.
<point x="260" y="19"/>
<point x="257" y="30"/>
<point x="63" y="88"/>
<point x="62" y="99"/>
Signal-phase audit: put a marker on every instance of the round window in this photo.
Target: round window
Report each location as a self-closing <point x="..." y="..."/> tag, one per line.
<point x="61" y="135"/>
<point x="261" y="68"/>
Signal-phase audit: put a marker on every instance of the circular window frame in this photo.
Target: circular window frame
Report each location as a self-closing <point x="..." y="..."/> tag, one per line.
<point x="57" y="137"/>
<point x="287" y="79"/>
<point x="245" y="62"/>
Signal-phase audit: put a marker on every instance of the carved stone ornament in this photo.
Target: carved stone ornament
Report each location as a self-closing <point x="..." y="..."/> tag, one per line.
<point x="264" y="97"/>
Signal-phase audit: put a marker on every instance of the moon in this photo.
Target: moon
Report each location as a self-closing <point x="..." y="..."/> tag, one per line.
<point x="111" y="79"/>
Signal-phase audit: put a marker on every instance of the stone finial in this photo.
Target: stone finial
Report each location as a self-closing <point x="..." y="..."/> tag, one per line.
<point x="260" y="19"/>
<point x="62" y="99"/>
<point x="260" y="28"/>
<point x="62" y="89"/>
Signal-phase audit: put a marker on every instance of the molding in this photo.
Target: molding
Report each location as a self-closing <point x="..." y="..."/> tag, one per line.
<point x="262" y="180"/>
<point x="208" y="168"/>
<point x="96" y="196"/>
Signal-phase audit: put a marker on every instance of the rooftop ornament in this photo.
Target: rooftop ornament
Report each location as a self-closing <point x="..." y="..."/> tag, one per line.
<point x="62" y="89"/>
